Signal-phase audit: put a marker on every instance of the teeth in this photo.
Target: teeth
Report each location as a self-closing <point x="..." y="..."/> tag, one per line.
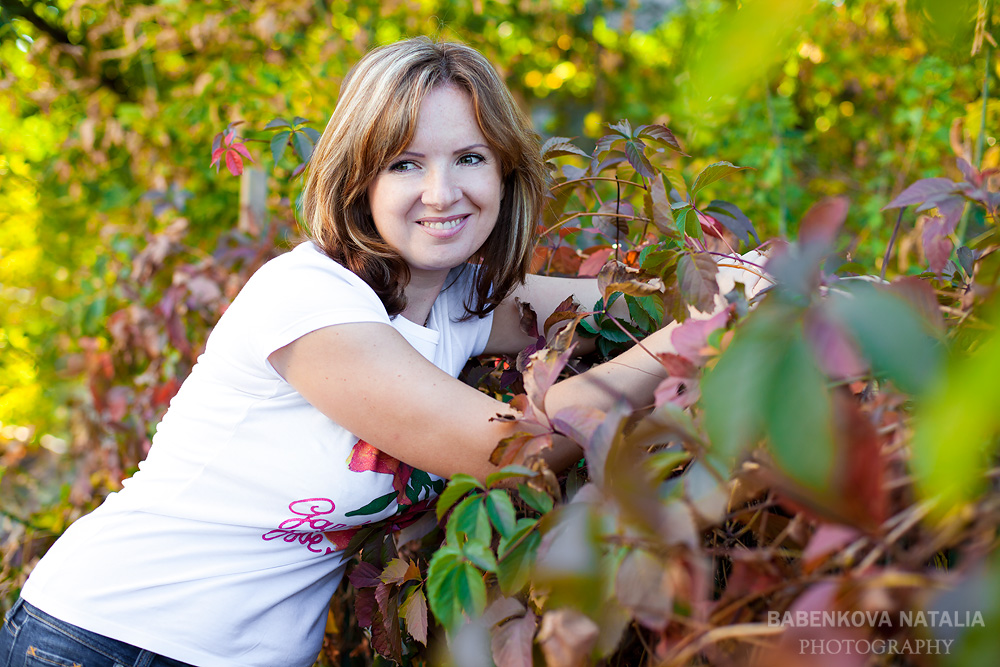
<point x="451" y="224"/>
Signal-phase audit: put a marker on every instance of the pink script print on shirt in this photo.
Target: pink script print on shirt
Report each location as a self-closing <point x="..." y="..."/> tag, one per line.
<point x="307" y="526"/>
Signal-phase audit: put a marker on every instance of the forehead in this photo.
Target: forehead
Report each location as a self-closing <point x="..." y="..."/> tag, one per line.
<point x="447" y="113"/>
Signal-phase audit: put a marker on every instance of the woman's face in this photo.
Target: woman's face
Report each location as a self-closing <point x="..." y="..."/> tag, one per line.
<point x="437" y="201"/>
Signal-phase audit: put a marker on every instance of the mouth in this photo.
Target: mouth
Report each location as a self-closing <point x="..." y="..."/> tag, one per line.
<point x="442" y="223"/>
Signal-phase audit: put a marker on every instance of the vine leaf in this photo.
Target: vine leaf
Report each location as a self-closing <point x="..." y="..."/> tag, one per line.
<point x="511" y="642"/>
<point x="414" y="611"/>
<point x="617" y="277"/>
<point x="635" y="154"/>
<point x="560" y="146"/>
<point x="696" y="275"/>
<point x="713" y="173"/>
<point x="823" y="220"/>
<point x="923" y="190"/>
<point x="661" y="135"/>
<point x="733" y="219"/>
<point x="936" y="242"/>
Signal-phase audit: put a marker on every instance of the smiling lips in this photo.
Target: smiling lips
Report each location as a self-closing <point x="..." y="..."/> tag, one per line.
<point x="442" y="224"/>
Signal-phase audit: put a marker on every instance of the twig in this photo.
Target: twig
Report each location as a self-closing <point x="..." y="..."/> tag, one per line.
<point x="596" y="178"/>
<point x="581" y="214"/>
<point x="892" y="241"/>
<point x="739" y="631"/>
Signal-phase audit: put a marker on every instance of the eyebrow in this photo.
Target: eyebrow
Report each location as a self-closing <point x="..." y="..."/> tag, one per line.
<point x="460" y="150"/>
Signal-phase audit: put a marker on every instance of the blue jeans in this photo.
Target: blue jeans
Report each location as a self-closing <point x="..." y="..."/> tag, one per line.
<point x="32" y="638"/>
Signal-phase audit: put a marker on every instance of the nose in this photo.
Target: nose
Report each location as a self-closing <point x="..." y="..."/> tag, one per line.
<point x="441" y="190"/>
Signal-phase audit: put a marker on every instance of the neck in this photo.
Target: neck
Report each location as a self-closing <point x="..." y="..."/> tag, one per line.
<point x="421" y="293"/>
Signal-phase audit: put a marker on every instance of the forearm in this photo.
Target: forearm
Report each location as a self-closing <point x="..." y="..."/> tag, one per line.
<point x="632" y="376"/>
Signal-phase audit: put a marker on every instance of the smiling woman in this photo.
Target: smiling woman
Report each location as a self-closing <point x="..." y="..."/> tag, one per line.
<point x="327" y="396"/>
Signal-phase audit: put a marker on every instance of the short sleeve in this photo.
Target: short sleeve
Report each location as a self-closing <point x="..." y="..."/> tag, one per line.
<point x="289" y="297"/>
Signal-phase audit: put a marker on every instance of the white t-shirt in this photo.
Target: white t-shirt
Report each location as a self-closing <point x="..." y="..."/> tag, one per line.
<point x="226" y="546"/>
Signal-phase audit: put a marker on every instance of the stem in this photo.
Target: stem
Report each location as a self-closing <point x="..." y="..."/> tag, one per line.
<point x="596" y="178"/>
<point x="779" y="151"/>
<point x="581" y="214"/>
<point x="618" y="229"/>
<point x="977" y="156"/>
<point x="892" y="241"/>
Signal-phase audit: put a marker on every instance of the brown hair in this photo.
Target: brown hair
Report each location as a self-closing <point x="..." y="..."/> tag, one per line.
<point x="375" y="120"/>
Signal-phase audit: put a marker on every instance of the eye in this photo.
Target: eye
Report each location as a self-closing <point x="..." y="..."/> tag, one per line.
<point x="402" y="166"/>
<point x="471" y="158"/>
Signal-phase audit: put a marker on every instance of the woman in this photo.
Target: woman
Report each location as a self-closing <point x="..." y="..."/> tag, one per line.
<point x="334" y="366"/>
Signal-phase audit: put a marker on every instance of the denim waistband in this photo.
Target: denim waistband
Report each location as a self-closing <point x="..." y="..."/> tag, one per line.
<point x="113" y="649"/>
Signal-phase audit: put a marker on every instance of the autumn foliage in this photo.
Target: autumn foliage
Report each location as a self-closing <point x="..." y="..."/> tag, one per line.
<point x="828" y="446"/>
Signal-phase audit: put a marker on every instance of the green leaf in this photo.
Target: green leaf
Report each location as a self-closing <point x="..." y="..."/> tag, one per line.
<point x="279" y="142"/>
<point x="801" y="430"/>
<point x="956" y="428"/>
<point x="277" y="122"/>
<point x="299" y="120"/>
<point x="313" y="134"/>
<point x="481" y="555"/>
<point x="501" y="512"/>
<point x="459" y="485"/>
<point x="733" y="393"/>
<point x="471" y="590"/>
<point x="638" y="314"/>
<point x="469" y="520"/>
<point x="536" y="500"/>
<point x="891" y="335"/>
<point x="514" y="566"/>
<point x="375" y="506"/>
<point x="303" y="145"/>
<point x="713" y="173"/>
<point x="507" y="472"/>
<point x="442" y="586"/>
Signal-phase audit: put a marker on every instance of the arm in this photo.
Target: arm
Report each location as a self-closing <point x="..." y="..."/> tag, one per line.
<point x="545" y="293"/>
<point x="368" y="379"/>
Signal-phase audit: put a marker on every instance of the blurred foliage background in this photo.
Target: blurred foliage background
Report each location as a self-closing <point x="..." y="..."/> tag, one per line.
<point x="120" y="245"/>
<point x="109" y="109"/>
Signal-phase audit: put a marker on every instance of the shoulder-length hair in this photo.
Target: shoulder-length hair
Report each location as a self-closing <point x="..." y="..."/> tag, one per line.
<point x="375" y="120"/>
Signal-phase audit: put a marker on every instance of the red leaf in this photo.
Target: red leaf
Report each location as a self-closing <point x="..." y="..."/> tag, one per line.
<point x="567" y="310"/>
<point x="234" y="163"/>
<point x="216" y="155"/>
<point x="937" y="246"/>
<point x="823" y="220"/>
<point x="690" y="337"/>
<point x="828" y="538"/>
<point x="832" y="346"/>
<point x="242" y="150"/>
<point x="543" y="370"/>
<point x="364" y="575"/>
<point x="681" y="391"/>
<point x="709" y="225"/>
<point x="643" y="586"/>
<point x="696" y="276"/>
<point x="592" y="265"/>
<point x="864" y="467"/>
<point x="529" y="319"/>
<point x="511" y="643"/>
<point x="365" y="606"/>
<point x="414" y="611"/>
<point x="163" y="393"/>
<point x="567" y="637"/>
<point x="921" y="191"/>
<point x="578" y="422"/>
